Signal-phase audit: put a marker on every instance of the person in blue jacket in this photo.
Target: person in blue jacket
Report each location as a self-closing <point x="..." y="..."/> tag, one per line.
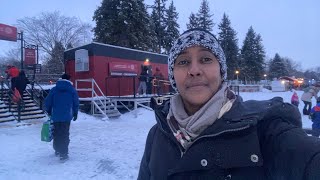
<point x="62" y="105"/>
<point x="315" y="117"/>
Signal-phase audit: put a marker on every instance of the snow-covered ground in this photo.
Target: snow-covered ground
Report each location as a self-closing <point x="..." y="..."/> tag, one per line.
<point x="98" y="149"/>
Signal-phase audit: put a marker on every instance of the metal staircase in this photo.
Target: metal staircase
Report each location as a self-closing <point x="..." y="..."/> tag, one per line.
<point x="9" y="110"/>
<point x="100" y="105"/>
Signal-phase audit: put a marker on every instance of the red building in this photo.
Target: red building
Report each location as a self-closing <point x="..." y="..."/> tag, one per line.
<point x="115" y="69"/>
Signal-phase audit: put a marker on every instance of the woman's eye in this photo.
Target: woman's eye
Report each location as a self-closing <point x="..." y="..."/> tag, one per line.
<point x="182" y="62"/>
<point x="206" y="60"/>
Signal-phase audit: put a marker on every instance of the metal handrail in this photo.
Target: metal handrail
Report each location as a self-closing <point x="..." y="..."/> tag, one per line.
<point x="39" y="95"/>
<point x="9" y="93"/>
<point x="94" y="94"/>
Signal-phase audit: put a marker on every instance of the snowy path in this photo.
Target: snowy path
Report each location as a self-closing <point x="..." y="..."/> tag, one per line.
<point x="98" y="149"/>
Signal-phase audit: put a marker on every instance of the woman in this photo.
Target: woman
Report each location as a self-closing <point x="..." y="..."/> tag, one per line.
<point x="205" y="131"/>
<point x="306" y="98"/>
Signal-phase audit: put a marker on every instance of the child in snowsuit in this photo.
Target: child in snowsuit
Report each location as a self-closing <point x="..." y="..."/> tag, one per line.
<point x="315" y="117"/>
<point x="295" y="99"/>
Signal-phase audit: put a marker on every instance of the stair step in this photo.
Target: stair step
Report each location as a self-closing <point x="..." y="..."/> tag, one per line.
<point x="6" y="114"/>
<point x="29" y="112"/>
<point x="33" y="116"/>
<point x="114" y="114"/>
<point x="6" y="119"/>
<point x="3" y="110"/>
<point x="26" y="105"/>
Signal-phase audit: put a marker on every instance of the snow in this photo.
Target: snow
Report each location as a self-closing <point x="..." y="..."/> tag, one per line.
<point x="98" y="149"/>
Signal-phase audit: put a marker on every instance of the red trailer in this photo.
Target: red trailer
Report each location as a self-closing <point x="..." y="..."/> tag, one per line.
<point x="115" y="69"/>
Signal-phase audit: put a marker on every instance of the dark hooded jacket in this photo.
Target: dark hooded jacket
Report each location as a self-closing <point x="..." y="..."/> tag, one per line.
<point x="254" y="140"/>
<point x="21" y="82"/>
<point x="62" y="103"/>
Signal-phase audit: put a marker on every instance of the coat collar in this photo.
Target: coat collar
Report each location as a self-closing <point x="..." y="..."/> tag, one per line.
<point x="238" y="117"/>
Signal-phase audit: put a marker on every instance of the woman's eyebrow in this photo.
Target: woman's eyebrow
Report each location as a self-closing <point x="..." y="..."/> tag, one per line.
<point x="205" y="49"/>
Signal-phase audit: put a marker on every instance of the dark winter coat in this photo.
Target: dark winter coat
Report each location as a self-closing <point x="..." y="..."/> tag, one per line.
<point x="62" y="103"/>
<point x="21" y="82"/>
<point x="315" y="116"/>
<point x="255" y="140"/>
<point x="143" y="76"/>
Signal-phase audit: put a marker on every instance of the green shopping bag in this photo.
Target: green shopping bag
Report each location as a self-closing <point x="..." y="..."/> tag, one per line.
<point x="46" y="131"/>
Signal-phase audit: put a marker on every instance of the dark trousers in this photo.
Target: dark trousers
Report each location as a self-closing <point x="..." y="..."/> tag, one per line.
<point x="61" y="137"/>
<point x="307" y="105"/>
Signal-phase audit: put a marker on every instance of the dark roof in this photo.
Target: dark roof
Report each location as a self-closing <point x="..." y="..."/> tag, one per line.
<point x="287" y="78"/>
<point x="99" y="49"/>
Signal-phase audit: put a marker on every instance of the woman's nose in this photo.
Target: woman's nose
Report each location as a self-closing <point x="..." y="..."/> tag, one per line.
<point x="194" y="70"/>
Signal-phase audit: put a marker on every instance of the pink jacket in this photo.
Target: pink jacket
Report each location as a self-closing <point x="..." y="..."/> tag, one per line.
<point x="295" y="97"/>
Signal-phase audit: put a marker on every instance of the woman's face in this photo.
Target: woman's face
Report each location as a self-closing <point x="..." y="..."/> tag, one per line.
<point x="197" y="75"/>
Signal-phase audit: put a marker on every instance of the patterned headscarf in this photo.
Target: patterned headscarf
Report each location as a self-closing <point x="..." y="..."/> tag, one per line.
<point x="196" y="37"/>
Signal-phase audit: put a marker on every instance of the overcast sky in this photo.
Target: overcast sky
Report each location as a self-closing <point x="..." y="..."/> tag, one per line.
<point x="288" y="27"/>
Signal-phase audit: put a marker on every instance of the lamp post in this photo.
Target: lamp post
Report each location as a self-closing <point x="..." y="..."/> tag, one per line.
<point x="265" y="79"/>
<point x="237" y="73"/>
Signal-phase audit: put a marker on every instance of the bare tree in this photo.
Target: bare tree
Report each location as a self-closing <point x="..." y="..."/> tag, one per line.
<point x="50" y="27"/>
<point x="11" y="57"/>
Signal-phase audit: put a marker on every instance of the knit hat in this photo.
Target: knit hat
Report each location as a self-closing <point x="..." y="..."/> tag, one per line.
<point x="196" y="37"/>
<point x="65" y="76"/>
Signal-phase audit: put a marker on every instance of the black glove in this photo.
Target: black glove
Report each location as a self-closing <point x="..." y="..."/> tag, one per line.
<point x="75" y="117"/>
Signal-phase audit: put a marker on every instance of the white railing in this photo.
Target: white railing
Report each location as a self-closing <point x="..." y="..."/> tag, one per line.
<point x="94" y="96"/>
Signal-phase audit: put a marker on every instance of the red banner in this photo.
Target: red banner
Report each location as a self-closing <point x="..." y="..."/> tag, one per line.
<point x="123" y="69"/>
<point x="8" y="33"/>
<point x="29" y="56"/>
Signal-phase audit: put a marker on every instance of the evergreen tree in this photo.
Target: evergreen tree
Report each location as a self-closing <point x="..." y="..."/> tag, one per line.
<point x="259" y="60"/>
<point x="138" y="25"/>
<point x="108" y="24"/>
<point x="158" y="15"/>
<point x="55" y="63"/>
<point x="123" y="23"/>
<point x="172" y="31"/>
<point x="229" y="43"/>
<point x="193" y="21"/>
<point x="204" y="17"/>
<point x="277" y="67"/>
<point x="252" y="56"/>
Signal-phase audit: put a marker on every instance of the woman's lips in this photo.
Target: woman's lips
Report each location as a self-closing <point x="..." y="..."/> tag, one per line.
<point x="195" y="84"/>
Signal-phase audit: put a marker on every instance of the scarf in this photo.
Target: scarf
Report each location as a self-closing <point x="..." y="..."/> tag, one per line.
<point x="185" y="127"/>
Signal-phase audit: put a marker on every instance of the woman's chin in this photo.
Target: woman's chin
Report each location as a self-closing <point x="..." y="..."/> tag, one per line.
<point x="197" y="98"/>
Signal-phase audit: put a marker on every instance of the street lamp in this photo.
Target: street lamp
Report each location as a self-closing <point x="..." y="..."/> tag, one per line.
<point x="265" y="79"/>
<point x="237" y="73"/>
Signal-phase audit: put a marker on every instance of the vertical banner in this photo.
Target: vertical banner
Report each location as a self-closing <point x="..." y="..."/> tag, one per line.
<point x="8" y="33"/>
<point x="29" y="56"/>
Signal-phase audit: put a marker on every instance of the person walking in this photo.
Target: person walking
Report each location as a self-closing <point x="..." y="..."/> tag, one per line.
<point x="306" y="98"/>
<point x="206" y="131"/>
<point x="21" y="84"/>
<point x="62" y="106"/>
